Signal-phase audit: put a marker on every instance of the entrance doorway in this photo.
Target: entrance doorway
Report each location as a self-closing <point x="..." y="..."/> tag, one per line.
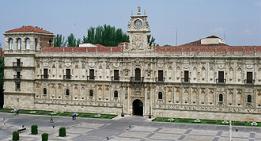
<point x="137" y="107"/>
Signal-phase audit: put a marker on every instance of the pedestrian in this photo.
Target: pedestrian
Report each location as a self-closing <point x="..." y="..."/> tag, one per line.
<point x="4" y="121"/>
<point x="51" y="120"/>
<point x="74" y="116"/>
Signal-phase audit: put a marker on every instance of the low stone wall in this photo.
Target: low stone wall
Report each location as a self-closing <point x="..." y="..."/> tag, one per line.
<point x="207" y="115"/>
<point x="18" y="101"/>
<point x="84" y="109"/>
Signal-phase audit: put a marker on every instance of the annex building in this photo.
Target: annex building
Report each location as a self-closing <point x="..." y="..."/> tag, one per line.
<point x="205" y="79"/>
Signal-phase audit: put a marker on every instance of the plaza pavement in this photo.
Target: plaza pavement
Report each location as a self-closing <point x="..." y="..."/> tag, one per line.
<point x="120" y="129"/>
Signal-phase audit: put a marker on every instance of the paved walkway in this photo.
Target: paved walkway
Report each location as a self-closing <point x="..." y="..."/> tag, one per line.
<point x="121" y="129"/>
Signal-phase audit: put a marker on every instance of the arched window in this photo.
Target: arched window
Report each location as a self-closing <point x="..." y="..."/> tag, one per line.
<point x="249" y="98"/>
<point x="19" y="43"/>
<point x="10" y="43"/>
<point x="220" y="98"/>
<point x="44" y="91"/>
<point x="115" y="94"/>
<point x="160" y="95"/>
<point x="91" y="93"/>
<point x="50" y="42"/>
<point x="27" y="43"/>
<point x="67" y="92"/>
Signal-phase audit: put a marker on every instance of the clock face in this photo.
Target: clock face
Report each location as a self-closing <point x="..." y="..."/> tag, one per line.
<point x="138" y="24"/>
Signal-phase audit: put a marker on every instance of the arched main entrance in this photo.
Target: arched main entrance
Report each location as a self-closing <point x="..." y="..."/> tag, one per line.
<point x="137" y="107"/>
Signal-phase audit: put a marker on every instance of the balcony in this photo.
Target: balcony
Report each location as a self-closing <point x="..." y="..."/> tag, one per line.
<point x="17" y="66"/>
<point x="44" y="76"/>
<point x="17" y="78"/>
<point x="249" y="81"/>
<point x="248" y="103"/>
<point x="160" y="80"/>
<point x="220" y="81"/>
<point x="136" y="80"/>
<point x="17" y="89"/>
<point x="67" y="77"/>
<point x="90" y="78"/>
<point x="185" y="80"/>
<point x="116" y="79"/>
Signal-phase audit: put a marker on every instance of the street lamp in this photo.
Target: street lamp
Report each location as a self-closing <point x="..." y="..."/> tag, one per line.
<point x="230" y="131"/>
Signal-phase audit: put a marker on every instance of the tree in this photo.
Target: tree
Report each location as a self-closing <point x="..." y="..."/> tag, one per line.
<point x="106" y="35"/>
<point x="1" y="82"/>
<point x="59" y="41"/>
<point x="72" y="41"/>
<point x="151" y="40"/>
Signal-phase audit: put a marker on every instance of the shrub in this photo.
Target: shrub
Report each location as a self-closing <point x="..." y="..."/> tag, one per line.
<point x="15" y="136"/>
<point x="44" y="137"/>
<point x="34" y="129"/>
<point x="62" y="132"/>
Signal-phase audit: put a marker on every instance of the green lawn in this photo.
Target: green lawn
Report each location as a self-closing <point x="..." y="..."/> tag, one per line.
<point x="42" y="112"/>
<point x="203" y="121"/>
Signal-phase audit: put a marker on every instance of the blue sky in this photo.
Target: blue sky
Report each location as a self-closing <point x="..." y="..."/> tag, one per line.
<point x="239" y="21"/>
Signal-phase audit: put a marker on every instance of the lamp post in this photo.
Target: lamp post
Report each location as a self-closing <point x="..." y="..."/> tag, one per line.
<point x="230" y="131"/>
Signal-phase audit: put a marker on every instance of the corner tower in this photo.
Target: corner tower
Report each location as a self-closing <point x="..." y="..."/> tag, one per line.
<point x="138" y="31"/>
<point x="20" y="46"/>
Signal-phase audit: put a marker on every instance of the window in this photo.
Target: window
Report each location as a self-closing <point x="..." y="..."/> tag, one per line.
<point x="50" y="43"/>
<point x="68" y="74"/>
<point x="45" y="75"/>
<point x="18" y="75"/>
<point x="116" y="75"/>
<point x="27" y="43"/>
<point x="35" y="43"/>
<point x="18" y="62"/>
<point x="220" y="98"/>
<point x="221" y="77"/>
<point x="91" y="74"/>
<point x="44" y="91"/>
<point x="91" y="93"/>
<point x="249" y="98"/>
<point x="10" y="43"/>
<point x="160" y="75"/>
<point x="137" y="74"/>
<point x="17" y="86"/>
<point x="160" y="95"/>
<point x="186" y="76"/>
<point x="67" y="92"/>
<point x="115" y="94"/>
<point x="19" y="43"/>
<point x="249" y="77"/>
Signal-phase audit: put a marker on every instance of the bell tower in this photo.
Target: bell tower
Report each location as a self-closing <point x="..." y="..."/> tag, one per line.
<point x="138" y="31"/>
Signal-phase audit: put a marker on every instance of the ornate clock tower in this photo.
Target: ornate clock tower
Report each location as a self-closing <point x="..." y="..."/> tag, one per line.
<point x="138" y="31"/>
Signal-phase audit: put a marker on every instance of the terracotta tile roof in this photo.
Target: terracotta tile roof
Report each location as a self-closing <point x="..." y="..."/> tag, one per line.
<point x="198" y="42"/>
<point x="99" y="48"/>
<point x="225" y="49"/>
<point x="211" y="48"/>
<point x="34" y="29"/>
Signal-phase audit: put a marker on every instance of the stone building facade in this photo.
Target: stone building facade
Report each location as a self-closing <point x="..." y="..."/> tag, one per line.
<point x="205" y="79"/>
